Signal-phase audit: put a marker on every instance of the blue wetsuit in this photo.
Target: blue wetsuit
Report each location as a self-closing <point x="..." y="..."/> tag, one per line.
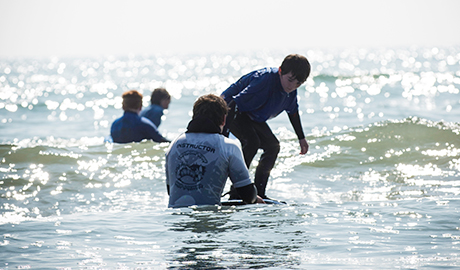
<point x="153" y="113"/>
<point x="133" y="128"/>
<point x="259" y="96"/>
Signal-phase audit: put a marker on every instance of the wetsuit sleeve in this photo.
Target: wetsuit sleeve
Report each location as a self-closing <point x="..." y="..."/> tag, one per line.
<point x="153" y="113"/>
<point x="152" y="132"/>
<point x="248" y="193"/>
<point x="239" y="175"/>
<point x="236" y="87"/>
<point x="297" y="125"/>
<point x="254" y="95"/>
<point x="249" y="92"/>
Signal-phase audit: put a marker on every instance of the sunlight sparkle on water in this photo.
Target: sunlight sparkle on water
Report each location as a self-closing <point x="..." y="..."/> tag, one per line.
<point x="92" y="165"/>
<point x="442" y="153"/>
<point x="410" y="170"/>
<point x="380" y="183"/>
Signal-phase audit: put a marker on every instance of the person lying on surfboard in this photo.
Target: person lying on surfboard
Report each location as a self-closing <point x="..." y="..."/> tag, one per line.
<point x="257" y="97"/>
<point x="199" y="161"/>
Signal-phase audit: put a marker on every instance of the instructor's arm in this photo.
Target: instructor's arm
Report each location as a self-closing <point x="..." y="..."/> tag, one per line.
<point x="249" y="194"/>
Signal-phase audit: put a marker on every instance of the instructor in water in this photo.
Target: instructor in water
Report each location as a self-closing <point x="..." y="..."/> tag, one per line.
<point x="257" y="97"/>
<point x="199" y="161"/>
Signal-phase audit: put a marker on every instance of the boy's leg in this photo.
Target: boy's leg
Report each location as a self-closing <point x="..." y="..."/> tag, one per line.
<point x="254" y="135"/>
<point x="271" y="146"/>
<point x="243" y="128"/>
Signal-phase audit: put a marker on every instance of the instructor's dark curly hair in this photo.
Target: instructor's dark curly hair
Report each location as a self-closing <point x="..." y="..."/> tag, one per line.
<point x="211" y="106"/>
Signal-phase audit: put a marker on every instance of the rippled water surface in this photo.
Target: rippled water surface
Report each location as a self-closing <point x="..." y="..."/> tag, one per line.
<point x="379" y="188"/>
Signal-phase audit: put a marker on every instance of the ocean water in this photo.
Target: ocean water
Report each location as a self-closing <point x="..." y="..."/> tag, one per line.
<point x="378" y="189"/>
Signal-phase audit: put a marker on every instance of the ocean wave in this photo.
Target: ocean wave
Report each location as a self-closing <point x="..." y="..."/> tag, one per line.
<point x="398" y="150"/>
<point x="410" y="140"/>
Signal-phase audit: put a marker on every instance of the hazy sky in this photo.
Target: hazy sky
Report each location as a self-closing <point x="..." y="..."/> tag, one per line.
<point x="100" y="27"/>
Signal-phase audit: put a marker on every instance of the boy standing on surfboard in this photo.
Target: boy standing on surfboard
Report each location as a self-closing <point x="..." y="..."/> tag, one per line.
<point x="257" y="97"/>
<point x="199" y="161"/>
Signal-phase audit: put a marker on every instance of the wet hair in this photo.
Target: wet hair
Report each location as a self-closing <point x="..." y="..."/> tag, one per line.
<point x="132" y="100"/>
<point x="211" y="106"/>
<point x="298" y="65"/>
<point x="159" y="95"/>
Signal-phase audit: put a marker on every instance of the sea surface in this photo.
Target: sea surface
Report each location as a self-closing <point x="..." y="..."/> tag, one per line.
<point x="378" y="189"/>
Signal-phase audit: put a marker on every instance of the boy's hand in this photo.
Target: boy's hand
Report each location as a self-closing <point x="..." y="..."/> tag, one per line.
<point x="303" y="146"/>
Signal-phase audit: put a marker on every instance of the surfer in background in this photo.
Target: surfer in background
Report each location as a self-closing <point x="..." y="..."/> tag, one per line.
<point x="159" y="100"/>
<point x="257" y="97"/>
<point x="199" y="161"/>
<point x="131" y="127"/>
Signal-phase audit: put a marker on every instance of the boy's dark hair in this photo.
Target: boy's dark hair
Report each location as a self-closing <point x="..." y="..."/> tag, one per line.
<point x="211" y="106"/>
<point x="298" y="65"/>
<point x="158" y="95"/>
<point x="132" y="100"/>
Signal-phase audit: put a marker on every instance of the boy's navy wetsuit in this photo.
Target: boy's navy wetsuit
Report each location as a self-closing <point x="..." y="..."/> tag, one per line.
<point x="154" y="113"/>
<point x="133" y="128"/>
<point x="259" y="97"/>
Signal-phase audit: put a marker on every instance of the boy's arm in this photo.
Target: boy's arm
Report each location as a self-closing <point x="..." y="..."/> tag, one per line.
<point x="294" y="118"/>
<point x="152" y="131"/>
<point x="236" y="87"/>
<point x="303" y="146"/>
<point x="249" y="91"/>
